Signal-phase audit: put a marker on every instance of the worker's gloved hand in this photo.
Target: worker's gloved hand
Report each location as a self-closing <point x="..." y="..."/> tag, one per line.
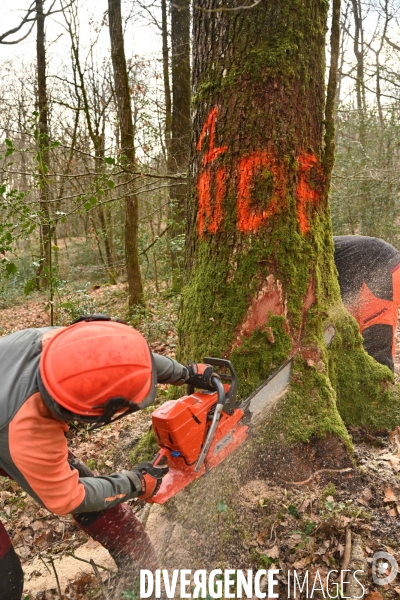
<point x="150" y="476"/>
<point x="200" y="376"/>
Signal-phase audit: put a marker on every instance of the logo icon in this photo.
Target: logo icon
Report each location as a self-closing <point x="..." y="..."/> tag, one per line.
<point x="380" y="563"/>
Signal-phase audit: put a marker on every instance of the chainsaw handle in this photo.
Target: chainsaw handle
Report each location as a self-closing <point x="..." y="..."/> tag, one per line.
<point x="220" y="389"/>
<point x="230" y="399"/>
<point x="214" y="423"/>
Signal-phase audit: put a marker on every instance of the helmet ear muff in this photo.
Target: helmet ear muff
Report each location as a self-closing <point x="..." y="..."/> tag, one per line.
<point x="110" y="408"/>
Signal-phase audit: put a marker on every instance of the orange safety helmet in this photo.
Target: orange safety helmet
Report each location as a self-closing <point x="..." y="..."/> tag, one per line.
<point x="95" y="369"/>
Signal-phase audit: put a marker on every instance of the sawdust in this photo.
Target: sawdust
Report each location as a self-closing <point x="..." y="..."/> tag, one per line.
<point x="39" y="575"/>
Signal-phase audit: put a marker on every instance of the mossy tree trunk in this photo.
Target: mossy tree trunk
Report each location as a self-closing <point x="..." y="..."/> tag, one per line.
<point x="259" y="248"/>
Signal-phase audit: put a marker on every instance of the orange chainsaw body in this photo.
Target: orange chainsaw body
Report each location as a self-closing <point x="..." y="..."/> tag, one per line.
<point x="181" y="428"/>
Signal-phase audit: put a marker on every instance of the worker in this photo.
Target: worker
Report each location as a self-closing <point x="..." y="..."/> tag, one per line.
<point x="369" y="280"/>
<point x="94" y="371"/>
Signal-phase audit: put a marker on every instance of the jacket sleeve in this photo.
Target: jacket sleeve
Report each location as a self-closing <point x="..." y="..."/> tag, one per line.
<point x="39" y="457"/>
<point x="39" y="453"/>
<point x="104" y="492"/>
<point x="169" y="370"/>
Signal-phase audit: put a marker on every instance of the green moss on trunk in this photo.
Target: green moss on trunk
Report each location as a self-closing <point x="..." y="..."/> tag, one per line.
<point x="364" y="389"/>
<point x="308" y="409"/>
<point x="261" y="354"/>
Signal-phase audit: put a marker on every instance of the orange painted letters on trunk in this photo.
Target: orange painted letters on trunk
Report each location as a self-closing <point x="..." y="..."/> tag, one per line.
<point x="210" y="213"/>
<point x="211" y="185"/>
<point x="250" y="219"/>
<point x="212" y="153"/>
<point x="304" y="192"/>
<point x="210" y="217"/>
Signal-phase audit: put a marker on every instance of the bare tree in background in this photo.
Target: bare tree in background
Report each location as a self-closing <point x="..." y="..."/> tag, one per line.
<point x="29" y="17"/>
<point x="180" y="128"/>
<point x="43" y="151"/>
<point x="94" y="95"/>
<point x="167" y="85"/>
<point x="123" y="99"/>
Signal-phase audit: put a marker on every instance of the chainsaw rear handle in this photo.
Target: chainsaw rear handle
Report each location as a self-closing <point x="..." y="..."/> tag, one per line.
<point x="229" y="402"/>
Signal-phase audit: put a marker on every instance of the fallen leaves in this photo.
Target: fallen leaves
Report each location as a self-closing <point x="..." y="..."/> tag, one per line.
<point x="390" y="496"/>
<point x="300" y="564"/>
<point x="273" y="552"/>
<point x="366" y="494"/>
<point x="374" y="596"/>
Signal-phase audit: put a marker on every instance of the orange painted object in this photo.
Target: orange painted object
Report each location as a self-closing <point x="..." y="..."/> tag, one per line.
<point x="181" y="428"/>
<point x="210" y="213"/>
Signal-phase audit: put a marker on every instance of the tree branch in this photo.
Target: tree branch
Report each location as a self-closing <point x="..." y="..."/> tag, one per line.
<point x="226" y="8"/>
<point x="26" y="19"/>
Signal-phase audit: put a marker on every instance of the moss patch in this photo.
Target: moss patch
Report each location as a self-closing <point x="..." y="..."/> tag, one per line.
<point x="146" y="449"/>
<point x="364" y="389"/>
<point x="257" y="357"/>
<point x="308" y="409"/>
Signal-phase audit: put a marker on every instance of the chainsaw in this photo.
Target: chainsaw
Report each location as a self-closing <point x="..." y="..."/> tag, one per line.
<point x="198" y="431"/>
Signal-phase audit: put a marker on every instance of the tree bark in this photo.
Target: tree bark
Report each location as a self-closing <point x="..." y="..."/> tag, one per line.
<point x="331" y="96"/>
<point x="359" y="54"/>
<point x="43" y="151"/>
<point x="167" y="87"/>
<point x="180" y="129"/>
<point x="124" y="109"/>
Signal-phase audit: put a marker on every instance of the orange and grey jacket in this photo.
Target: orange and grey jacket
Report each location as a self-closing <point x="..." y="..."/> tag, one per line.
<point x="369" y="279"/>
<point x="33" y="446"/>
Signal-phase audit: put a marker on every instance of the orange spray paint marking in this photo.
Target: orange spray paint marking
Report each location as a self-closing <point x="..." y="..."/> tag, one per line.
<point x="210" y="213"/>
<point x="304" y="192"/>
<point x="210" y="217"/>
<point x="212" y="153"/>
<point x="249" y="219"/>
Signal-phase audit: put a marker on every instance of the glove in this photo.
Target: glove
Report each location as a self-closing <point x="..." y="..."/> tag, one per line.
<point x="150" y="476"/>
<point x="200" y="376"/>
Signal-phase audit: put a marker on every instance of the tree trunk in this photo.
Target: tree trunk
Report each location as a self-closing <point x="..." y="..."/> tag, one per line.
<point x="359" y="54"/>
<point x="123" y="98"/>
<point x="259" y="241"/>
<point x="43" y="274"/>
<point x="180" y="130"/>
<point x="167" y="87"/>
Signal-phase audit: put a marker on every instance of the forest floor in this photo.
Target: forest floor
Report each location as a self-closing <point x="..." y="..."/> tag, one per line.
<point x="307" y="523"/>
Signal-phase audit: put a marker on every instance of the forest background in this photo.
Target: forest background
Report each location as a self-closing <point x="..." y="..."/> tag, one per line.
<point x="69" y="191"/>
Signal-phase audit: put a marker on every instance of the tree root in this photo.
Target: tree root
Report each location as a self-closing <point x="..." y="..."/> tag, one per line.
<point x="305" y="481"/>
